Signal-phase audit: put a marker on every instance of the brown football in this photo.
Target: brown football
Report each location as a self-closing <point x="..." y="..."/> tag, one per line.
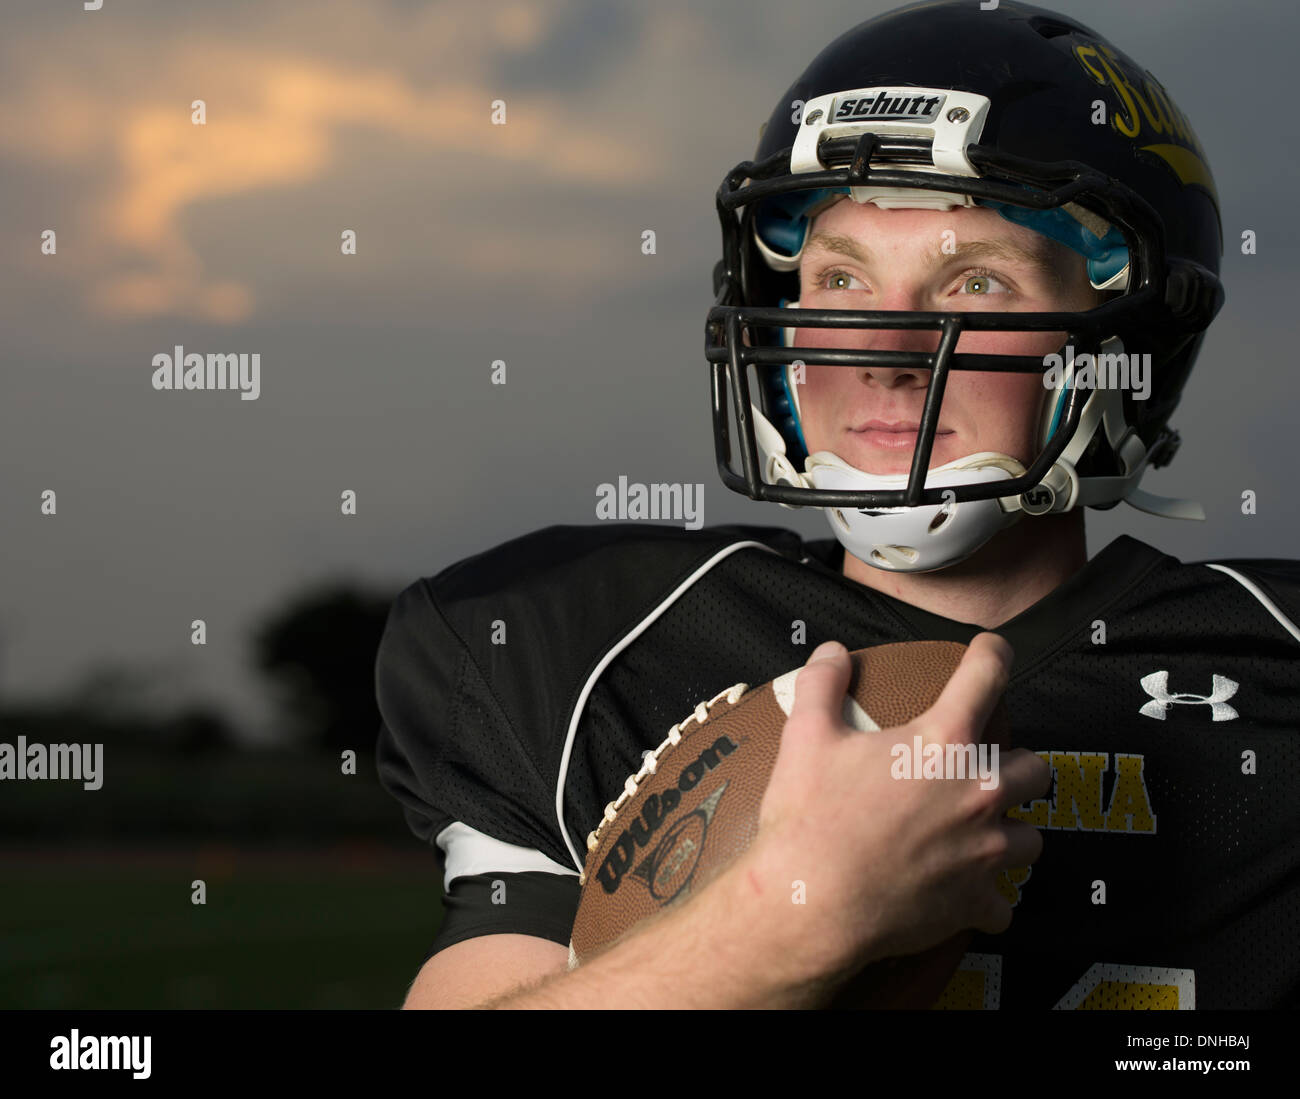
<point x="694" y="804"/>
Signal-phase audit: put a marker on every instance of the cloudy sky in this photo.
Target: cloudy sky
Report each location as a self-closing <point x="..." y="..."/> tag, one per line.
<point x="475" y="243"/>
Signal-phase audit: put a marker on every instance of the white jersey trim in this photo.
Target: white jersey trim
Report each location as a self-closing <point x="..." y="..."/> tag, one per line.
<point x="470" y="851"/>
<point x="1264" y="600"/>
<point x="607" y="659"/>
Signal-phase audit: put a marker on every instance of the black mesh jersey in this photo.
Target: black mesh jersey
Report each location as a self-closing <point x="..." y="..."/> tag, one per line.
<point x="519" y="688"/>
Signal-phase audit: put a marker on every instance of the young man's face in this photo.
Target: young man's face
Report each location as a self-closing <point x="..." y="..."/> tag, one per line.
<point x="863" y="257"/>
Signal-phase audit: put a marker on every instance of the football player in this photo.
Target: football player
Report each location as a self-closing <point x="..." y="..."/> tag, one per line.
<point x="964" y="280"/>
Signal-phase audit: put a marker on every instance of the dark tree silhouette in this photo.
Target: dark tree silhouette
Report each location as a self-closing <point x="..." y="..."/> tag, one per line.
<point x="319" y="653"/>
<point x="110" y="705"/>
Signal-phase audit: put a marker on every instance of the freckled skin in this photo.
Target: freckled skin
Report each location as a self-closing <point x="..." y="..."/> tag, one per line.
<point x="984" y="410"/>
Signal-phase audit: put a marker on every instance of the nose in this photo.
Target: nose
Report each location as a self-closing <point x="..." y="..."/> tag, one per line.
<point x="897" y="339"/>
<point x="899" y="298"/>
<point x="894" y="377"/>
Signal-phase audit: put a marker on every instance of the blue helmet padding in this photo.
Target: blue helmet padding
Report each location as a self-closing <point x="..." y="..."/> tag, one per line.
<point x="1107" y="256"/>
<point x="782" y="223"/>
<point x="1056" y="416"/>
<point x="791" y="410"/>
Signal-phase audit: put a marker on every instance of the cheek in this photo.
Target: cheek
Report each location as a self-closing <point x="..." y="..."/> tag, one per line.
<point x="1037" y="344"/>
<point x="820" y="381"/>
<point x="1002" y="410"/>
<point x="823" y="389"/>
<point x="819" y="337"/>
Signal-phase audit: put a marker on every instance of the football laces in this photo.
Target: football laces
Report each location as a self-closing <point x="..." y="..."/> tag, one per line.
<point x="650" y="762"/>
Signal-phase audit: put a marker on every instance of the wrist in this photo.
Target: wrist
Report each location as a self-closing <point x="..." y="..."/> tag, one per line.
<point x="796" y="928"/>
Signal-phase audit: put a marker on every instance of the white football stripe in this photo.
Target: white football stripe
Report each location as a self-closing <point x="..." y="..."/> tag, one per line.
<point x="854" y="715"/>
<point x="857" y="717"/>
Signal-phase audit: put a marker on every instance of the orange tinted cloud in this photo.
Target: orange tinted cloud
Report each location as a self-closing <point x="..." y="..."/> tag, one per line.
<point x="274" y="120"/>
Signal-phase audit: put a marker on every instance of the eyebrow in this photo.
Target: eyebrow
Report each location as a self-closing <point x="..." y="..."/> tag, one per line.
<point x="1005" y="250"/>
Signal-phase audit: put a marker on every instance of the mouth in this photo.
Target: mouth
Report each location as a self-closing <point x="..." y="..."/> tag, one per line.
<point x="900" y="435"/>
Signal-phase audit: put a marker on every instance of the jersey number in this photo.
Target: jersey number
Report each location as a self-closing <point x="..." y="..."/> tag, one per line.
<point x="977" y="985"/>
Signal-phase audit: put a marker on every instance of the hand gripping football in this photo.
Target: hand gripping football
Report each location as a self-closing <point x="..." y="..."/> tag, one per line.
<point x="694" y="804"/>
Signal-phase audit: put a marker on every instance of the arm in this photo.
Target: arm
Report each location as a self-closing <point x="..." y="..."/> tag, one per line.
<point x="736" y="943"/>
<point x="467" y="973"/>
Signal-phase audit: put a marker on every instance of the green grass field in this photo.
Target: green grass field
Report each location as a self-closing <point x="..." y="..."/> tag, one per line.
<point x="319" y="931"/>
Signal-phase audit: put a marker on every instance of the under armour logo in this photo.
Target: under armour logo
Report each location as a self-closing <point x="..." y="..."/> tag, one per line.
<point x="1157" y="686"/>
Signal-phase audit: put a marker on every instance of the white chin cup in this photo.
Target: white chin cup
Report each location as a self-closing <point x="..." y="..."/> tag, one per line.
<point x="916" y="539"/>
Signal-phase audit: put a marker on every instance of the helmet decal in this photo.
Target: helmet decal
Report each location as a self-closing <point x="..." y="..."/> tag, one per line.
<point x="1147" y="111"/>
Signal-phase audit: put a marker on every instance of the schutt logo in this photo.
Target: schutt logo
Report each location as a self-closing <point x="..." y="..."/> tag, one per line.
<point x="887" y="106"/>
<point x="656" y="810"/>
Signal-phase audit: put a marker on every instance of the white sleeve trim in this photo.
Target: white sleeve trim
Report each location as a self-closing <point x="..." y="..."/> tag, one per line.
<point x="1264" y="600"/>
<point x="470" y="851"/>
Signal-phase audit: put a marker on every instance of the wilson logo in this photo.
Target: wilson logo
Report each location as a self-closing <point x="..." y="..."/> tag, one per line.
<point x="668" y="870"/>
<point x="657" y="809"/>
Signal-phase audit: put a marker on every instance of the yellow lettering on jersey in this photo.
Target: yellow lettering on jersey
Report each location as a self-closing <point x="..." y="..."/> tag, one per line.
<point x="1076" y="801"/>
<point x="1009" y="883"/>
<point x="1078" y="791"/>
<point x="976" y="986"/>
<point x="1037" y="812"/>
<point x="1130" y="805"/>
<point x="1122" y="995"/>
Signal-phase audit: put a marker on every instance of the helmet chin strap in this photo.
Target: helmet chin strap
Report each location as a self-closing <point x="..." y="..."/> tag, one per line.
<point x="916" y="539"/>
<point x="1062" y="489"/>
<point x="934" y="536"/>
<point x="898" y="539"/>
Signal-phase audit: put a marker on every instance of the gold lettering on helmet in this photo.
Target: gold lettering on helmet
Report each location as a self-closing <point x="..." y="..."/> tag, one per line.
<point x="1145" y="113"/>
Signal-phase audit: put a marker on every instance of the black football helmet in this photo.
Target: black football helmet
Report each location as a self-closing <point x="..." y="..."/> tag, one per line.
<point x="943" y="105"/>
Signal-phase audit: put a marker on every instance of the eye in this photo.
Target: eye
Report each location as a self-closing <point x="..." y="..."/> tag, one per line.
<point x="835" y="280"/>
<point x="981" y="282"/>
